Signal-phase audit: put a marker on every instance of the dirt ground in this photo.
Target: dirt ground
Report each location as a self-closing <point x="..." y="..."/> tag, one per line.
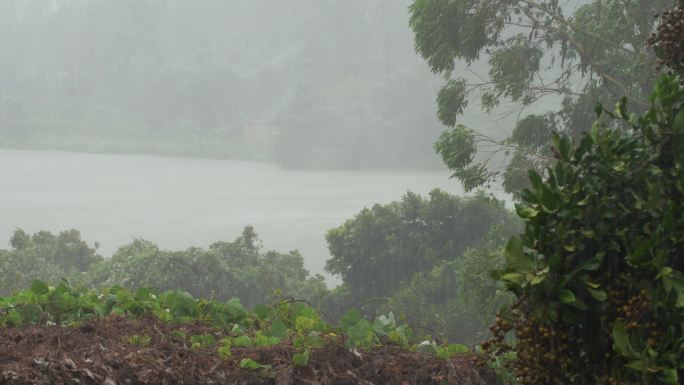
<point x="101" y="352"/>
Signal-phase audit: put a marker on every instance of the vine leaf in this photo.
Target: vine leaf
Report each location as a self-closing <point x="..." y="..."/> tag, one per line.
<point x="621" y="339"/>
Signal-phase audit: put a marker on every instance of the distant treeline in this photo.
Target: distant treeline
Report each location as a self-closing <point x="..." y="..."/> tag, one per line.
<point x="331" y="84"/>
<point x="425" y="257"/>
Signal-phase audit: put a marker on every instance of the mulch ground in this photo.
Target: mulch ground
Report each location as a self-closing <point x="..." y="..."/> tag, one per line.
<point x="100" y="352"/>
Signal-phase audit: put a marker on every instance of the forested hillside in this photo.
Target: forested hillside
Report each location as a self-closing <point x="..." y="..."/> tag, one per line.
<point x="230" y="79"/>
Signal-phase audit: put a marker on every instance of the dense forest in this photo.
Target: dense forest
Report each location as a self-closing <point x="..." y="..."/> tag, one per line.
<point x="580" y="282"/>
<point x="440" y="237"/>
<point x="332" y="84"/>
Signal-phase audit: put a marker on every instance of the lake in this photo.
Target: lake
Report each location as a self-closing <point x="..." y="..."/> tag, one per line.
<point x="181" y="202"/>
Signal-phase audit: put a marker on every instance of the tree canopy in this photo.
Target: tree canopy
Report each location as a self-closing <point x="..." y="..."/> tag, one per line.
<point x="240" y="268"/>
<point x="575" y="53"/>
<point x="383" y="247"/>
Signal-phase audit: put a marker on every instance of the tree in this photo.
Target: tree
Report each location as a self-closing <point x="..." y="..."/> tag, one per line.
<point x="239" y="269"/>
<point x="45" y="256"/>
<point x="577" y="53"/>
<point x="379" y="250"/>
<point x="457" y="299"/>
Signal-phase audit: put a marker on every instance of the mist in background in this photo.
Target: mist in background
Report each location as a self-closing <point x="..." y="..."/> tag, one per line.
<point x="305" y="84"/>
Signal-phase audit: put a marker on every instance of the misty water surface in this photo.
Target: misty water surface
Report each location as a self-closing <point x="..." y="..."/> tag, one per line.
<point x="179" y="203"/>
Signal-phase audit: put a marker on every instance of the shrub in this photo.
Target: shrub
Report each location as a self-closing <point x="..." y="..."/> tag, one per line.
<point x="599" y="273"/>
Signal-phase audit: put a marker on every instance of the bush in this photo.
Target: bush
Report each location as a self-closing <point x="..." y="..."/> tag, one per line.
<point x="599" y="273"/>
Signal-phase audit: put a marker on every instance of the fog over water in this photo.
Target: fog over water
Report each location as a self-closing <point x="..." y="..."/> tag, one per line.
<point x="179" y="203"/>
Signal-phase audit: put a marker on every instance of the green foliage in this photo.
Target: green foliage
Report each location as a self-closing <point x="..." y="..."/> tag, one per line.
<point x="248" y="363"/>
<point x="598" y="272"/>
<point x="457" y="299"/>
<point x="203" y="341"/>
<point x="224" y="348"/>
<point x="290" y="323"/>
<point x="361" y="333"/>
<point x="140" y="341"/>
<point x="444" y="352"/>
<point x="301" y="359"/>
<point x="513" y="67"/>
<point x="46" y="256"/>
<point x="457" y="147"/>
<point x="381" y="248"/>
<point x="227" y="269"/>
<point x="577" y="52"/>
<point x="64" y="304"/>
<point x="451" y="101"/>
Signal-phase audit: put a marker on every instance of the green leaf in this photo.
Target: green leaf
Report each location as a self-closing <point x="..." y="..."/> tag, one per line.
<point x="590" y="264"/>
<point x="598" y="110"/>
<point x="666" y="271"/>
<point x="304" y="324"/>
<point x="202" y="341"/>
<point x="549" y="201"/>
<point x="621" y="108"/>
<point x="637" y="365"/>
<point x="14" y="318"/>
<point x="361" y="333"/>
<point x="679" y="288"/>
<point x="261" y="311"/>
<point x="457" y="349"/>
<point x="279" y="330"/>
<point x="224" y="351"/>
<point x="516" y="257"/>
<point x="579" y="305"/>
<point x="527" y="212"/>
<point x="621" y="338"/>
<point x="678" y="124"/>
<point x="428" y="347"/>
<point x="248" y="363"/>
<point x="535" y="179"/>
<point x="311" y="340"/>
<point x="537" y="279"/>
<point x="39" y="287"/>
<point x="301" y="359"/>
<point x="516" y="278"/>
<point x="598" y="295"/>
<point x="261" y="340"/>
<point x="350" y="318"/>
<point x="144" y="294"/>
<point x="243" y="341"/>
<point x="589" y="234"/>
<point x="566" y="296"/>
<point x="529" y="197"/>
<point x="670" y="376"/>
<point x="641" y="254"/>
